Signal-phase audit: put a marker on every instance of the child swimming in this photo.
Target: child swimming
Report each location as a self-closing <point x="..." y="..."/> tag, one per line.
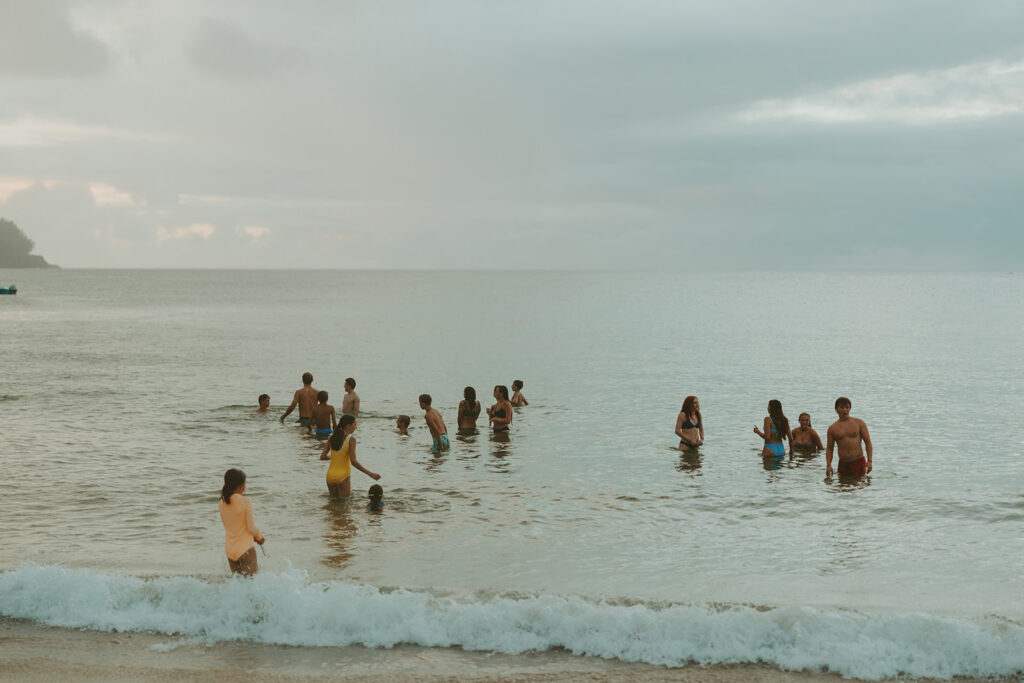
<point x="376" y="495"/>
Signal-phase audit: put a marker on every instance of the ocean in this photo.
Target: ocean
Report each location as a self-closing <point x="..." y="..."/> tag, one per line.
<point x="125" y="395"/>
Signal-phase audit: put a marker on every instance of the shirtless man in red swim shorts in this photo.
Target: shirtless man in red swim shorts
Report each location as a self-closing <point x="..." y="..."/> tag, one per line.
<point x="847" y="433"/>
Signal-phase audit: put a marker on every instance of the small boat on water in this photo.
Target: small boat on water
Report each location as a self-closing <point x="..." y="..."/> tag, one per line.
<point x="13" y="289"/>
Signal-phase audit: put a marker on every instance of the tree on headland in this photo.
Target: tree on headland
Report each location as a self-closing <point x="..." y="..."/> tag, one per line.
<point x="16" y="248"/>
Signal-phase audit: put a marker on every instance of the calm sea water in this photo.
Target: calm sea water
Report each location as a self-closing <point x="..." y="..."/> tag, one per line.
<point x="124" y="395"/>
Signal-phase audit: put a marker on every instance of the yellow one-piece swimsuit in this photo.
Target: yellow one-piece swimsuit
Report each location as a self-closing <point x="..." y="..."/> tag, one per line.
<point x="341" y="466"/>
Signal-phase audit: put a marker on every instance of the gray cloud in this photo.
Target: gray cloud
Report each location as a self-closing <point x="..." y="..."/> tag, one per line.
<point x="465" y="134"/>
<point x="38" y="39"/>
<point x="228" y="51"/>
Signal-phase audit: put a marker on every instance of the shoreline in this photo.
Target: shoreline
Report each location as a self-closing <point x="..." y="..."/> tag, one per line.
<point x="33" y="652"/>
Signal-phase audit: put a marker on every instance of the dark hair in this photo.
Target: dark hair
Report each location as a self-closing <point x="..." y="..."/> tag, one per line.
<point x="404" y="419"/>
<point x="469" y="393"/>
<point x="349" y="380"/>
<point x="376" y="491"/>
<point x="503" y="389"/>
<point x="233" y="479"/>
<point x="517" y="385"/>
<point x="425" y="398"/>
<point x="779" y="419"/>
<point x="307" y="378"/>
<point x="263" y="396"/>
<point x="808" y="418"/>
<point x="688" y="408"/>
<point x="843" y="401"/>
<point x="338" y="435"/>
<point x="321" y="397"/>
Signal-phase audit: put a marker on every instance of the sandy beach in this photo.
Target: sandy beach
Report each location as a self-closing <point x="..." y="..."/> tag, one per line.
<point x="30" y="652"/>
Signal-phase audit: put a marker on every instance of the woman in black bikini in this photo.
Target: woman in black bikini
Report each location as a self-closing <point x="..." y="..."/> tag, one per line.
<point x="469" y="409"/>
<point x="500" y="413"/>
<point x="804" y="436"/>
<point x="689" y="425"/>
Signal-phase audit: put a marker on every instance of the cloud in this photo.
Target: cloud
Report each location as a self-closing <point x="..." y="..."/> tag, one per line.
<point x="10" y="186"/>
<point x="228" y="51"/>
<point x="255" y="233"/>
<point x="108" y="195"/>
<point x="39" y="39"/>
<point x="969" y="92"/>
<point x="203" y="230"/>
<point x="34" y="132"/>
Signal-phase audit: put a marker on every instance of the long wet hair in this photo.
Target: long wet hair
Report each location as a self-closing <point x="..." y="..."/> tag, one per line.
<point x="503" y="389"/>
<point x="469" y="393"/>
<point x="779" y="419"/>
<point x="233" y="480"/>
<point x="690" y="409"/>
<point x="338" y="436"/>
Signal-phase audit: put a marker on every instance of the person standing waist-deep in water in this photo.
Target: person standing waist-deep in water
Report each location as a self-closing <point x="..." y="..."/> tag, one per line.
<point x="689" y="424"/>
<point x="340" y="449"/>
<point x="469" y="409"/>
<point x="350" y="402"/>
<point x="776" y="428"/>
<point x="805" y="437"/>
<point x="500" y="414"/>
<point x="240" y="531"/>
<point x="846" y="433"/>
<point x="323" y="415"/>
<point x="435" y="423"/>
<point x="305" y="398"/>
<point x="518" y="399"/>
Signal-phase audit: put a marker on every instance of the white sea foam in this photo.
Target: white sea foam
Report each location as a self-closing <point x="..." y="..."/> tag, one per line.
<point x="288" y="609"/>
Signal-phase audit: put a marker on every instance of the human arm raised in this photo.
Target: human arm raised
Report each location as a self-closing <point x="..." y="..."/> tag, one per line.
<point x="355" y="463"/>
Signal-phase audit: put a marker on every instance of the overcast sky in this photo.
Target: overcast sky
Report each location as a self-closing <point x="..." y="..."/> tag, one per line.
<point x="483" y="134"/>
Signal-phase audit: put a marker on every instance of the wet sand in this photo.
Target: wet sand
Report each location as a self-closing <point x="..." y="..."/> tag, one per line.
<point x="30" y="652"/>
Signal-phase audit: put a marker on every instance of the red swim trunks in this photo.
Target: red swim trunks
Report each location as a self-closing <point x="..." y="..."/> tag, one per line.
<point x="853" y="468"/>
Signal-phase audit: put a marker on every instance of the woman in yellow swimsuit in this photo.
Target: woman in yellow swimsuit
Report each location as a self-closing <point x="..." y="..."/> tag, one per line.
<point x="342" y="449"/>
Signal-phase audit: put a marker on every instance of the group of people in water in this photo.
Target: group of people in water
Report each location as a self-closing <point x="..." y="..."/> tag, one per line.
<point x="315" y="413"/>
<point x="844" y="436"/>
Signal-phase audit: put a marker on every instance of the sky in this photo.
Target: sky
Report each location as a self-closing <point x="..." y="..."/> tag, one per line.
<point x="567" y="134"/>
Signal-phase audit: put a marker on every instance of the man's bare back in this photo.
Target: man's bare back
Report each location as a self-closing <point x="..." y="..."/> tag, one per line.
<point x="323" y="416"/>
<point x="304" y="398"/>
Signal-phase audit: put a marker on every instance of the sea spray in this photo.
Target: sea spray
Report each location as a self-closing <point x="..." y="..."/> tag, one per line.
<point x="287" y="609"/>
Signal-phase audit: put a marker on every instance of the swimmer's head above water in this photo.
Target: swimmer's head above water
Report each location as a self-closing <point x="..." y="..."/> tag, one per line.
<point x="376" y="496"/>
<point x="321" y="397"/>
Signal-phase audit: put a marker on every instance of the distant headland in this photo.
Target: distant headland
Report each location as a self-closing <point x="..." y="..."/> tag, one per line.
<point x="16" y="248"/>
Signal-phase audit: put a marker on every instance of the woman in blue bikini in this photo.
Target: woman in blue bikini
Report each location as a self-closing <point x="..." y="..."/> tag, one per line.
<point x="776" y="428"/>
